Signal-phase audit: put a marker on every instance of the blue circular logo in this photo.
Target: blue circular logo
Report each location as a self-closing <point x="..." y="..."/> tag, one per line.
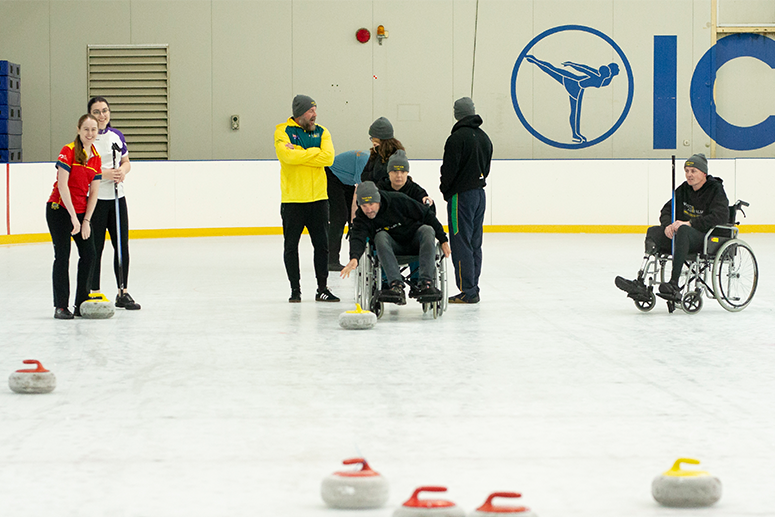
<point x="575" y="84"/>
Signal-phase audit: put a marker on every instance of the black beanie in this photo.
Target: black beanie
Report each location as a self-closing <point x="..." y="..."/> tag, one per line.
<point x="381" y="128"/>
<point x="367" y="192"/>
<point x="398" y="162"/>
<point x="301" y="105"/>
<point x="698" y="161"/>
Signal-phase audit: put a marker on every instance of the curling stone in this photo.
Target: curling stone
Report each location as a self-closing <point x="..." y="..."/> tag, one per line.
<point x="355" y="489"/>
<point x="97" y="307"/>
<point x="38" y="380"/>
<point x="357" y="319"/>
<point x="415" y="507"/>
<point x="490" y="510"/>
<point x="686" y="488"/>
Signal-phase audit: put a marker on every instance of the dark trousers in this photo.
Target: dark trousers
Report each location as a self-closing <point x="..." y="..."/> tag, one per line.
<point x="687" y="240"/>
<point x="313" y="216"/>
<point x="104" y="218"/>
<point x="340" y="198"/>
<point x="465" y="211"/>
<point x="423" y="244"/>
<point x="60" y="226"/>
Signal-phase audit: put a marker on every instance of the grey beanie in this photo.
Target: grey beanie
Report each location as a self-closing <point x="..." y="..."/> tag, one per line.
<point x="301" y="105"/>
<point x="464" y="107"/>
<point x="367" y="192"/>
<point x="398" y="162"/>
<point x="699" y="161"/>
<point x="381" y="128"/>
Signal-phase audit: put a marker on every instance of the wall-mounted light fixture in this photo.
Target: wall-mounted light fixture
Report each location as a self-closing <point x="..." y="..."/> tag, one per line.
<point x="381" y="34"/>
<point x="363" y="35"/>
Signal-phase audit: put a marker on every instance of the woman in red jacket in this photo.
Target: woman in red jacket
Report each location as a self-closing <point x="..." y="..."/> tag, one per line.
<point x="68" y="213"/>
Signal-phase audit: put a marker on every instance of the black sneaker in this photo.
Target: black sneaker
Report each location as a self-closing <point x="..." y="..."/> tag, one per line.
<point x="428" y="292"/>
<point x="670" y="291"/>
<point x="325" y="296"/>
<point x="126" y="301"/>
<point x="77" y="312"/>
<point x="394" y="295"/>
<point x="295" y="296"/>
<point x="335" y="267"/>
<point x="634" y="289"/>
<point x="462" y="298"/>
<point x="63" y="314"/>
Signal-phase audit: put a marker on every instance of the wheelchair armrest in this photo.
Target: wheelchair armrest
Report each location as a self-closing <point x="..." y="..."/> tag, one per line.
<point x="724" y="231"/>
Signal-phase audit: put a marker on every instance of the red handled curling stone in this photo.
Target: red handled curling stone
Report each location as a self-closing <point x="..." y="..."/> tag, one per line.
<point x="490" y="510"/>
<point x="38" y="380"/>
<point x="355" y="489"/>
<point x="416" y="507"/>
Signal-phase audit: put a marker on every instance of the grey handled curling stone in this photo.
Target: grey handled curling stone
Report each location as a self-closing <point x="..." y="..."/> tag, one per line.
<point x="686" y="488"/>
<point x="355" y="489"/>
<point x="490" y="510"/>
<point x="97" y="307"/>
<point x="416" y="507"/>
<point x="357" y="319"/>
<point x="37" y="380"/>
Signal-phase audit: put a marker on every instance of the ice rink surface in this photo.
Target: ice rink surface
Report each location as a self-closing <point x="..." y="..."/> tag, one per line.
<point x="220" y="398"/>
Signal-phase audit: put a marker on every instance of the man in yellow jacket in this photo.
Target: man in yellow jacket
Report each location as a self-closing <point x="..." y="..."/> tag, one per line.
<point x="304" y="150"/>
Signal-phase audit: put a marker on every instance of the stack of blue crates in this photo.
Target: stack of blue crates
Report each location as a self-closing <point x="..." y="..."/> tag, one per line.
<point x="10" y="113"/>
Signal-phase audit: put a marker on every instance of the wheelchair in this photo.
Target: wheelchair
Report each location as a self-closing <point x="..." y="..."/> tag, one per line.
<point x="730" y="263"/>
<point x="370" y="281"/>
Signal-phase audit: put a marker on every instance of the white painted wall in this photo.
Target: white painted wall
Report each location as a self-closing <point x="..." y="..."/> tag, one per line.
<point x="250" y="57"/>
<point x="246" y="194"/>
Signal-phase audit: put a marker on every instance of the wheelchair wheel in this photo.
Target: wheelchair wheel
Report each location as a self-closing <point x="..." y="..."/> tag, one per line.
<point x="647" y="305"/>
<point x="377" y="307"/>
<point x="441" y="272"/>
<point x="735" y="275"/>
<point x="691" y="302"/>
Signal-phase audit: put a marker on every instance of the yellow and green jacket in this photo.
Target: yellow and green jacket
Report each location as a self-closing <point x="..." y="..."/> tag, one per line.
<point x="302" y="169"/>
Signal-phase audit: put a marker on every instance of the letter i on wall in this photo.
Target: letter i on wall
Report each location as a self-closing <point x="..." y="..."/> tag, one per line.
<point x="665" y="71"/>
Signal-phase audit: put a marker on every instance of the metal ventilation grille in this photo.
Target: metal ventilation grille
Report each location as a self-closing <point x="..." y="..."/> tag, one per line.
<point x="135" y="81"/>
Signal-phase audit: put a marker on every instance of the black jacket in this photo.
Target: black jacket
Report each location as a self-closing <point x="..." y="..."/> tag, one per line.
<point x="705" y="208"/>
<point x="410" y="188"/>
<point x="399" y="215"/>
<point x="467" y="156"/>
<point x="375" y="169"/>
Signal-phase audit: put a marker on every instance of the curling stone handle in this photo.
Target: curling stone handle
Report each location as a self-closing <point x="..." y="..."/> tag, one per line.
<point x="415" y="496"/>
<point x="489" y="507"/>
<point x="355" y="461"/>
<point x="677" y="465"/>
<point x="39" y="368"/>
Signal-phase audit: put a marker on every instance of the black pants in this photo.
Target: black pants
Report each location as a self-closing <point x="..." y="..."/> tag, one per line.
<point x="60" y="226"/>
<point x="687" y="240"/>
<point x="340" y="198"/>
<point x="313" y="216"/>
<point x="104" y="218"/>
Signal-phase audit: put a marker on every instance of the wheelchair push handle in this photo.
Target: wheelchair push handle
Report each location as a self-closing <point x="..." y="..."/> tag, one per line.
<point x="738" y="207"/>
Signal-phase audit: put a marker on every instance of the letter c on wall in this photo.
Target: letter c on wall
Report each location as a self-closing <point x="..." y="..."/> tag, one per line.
<point x="701" y="93"/>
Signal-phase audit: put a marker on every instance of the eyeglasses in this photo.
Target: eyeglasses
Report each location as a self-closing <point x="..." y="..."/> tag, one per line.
<point x="97" y="112"/>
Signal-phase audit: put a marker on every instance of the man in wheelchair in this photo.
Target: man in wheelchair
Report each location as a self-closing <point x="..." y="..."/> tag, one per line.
<point x="396" y="224"/>
<point x="700" y="204"/>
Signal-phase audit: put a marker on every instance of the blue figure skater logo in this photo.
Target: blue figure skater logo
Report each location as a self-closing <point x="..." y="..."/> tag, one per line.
<point x="575" y="84"/>
<point x="575" y="78"/>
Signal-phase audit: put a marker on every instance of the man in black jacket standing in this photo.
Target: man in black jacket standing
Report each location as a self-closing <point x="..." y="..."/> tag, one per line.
<point x="466" y="164"/>
<point x="397" y="225"/>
